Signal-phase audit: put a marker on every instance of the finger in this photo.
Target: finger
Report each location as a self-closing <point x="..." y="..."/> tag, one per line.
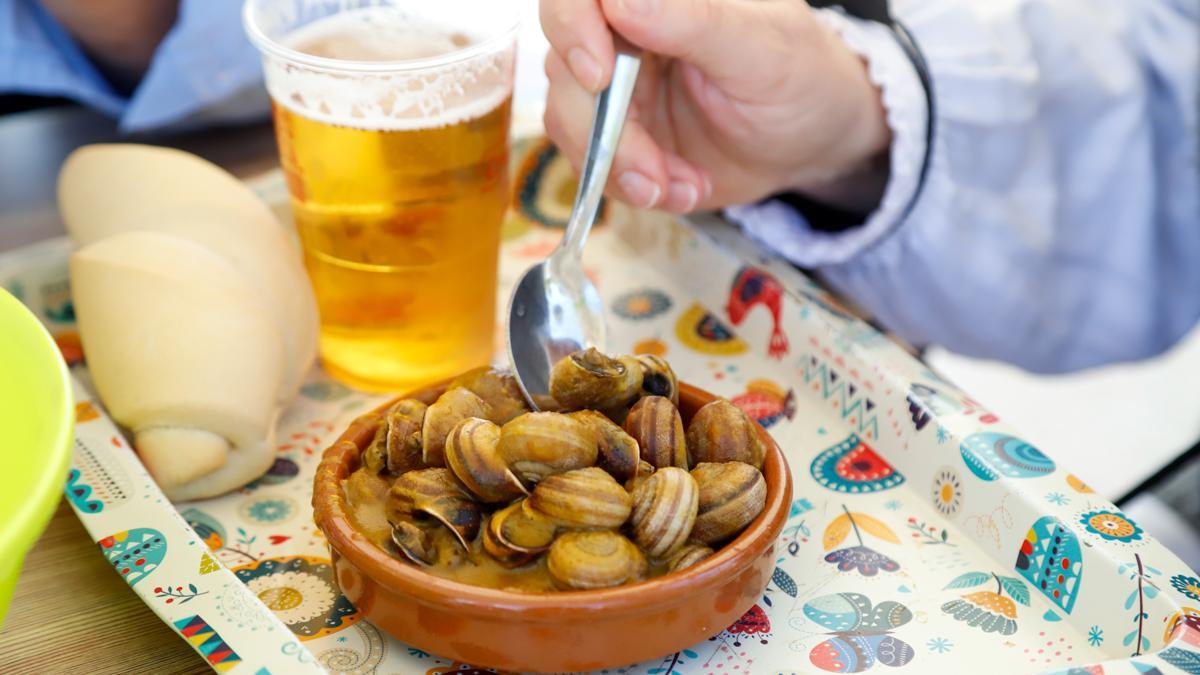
<point x="579" y="34"/>
<point x="713" y="34"/>
<point x="688" y="185"/>
<point x="639" y="174"/>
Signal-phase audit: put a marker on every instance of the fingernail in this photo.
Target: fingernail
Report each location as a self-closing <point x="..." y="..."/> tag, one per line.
<point x="682" y="196"/>
<point x="585" y="68"/>
<point x="642" y="7"/>
<point x="639" y="190"/>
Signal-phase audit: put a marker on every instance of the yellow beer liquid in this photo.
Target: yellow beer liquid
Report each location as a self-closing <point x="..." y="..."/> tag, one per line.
<point x="400" y="230"/>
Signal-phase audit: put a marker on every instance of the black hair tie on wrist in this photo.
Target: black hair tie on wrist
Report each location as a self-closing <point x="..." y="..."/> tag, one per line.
<point x="828" y="219"/>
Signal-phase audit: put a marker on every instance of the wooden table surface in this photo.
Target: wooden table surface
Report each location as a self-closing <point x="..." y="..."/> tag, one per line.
<point x="71" y="613"/>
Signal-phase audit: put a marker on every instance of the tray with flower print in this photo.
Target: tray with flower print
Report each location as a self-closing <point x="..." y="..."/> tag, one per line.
<point x="925" y="535"/>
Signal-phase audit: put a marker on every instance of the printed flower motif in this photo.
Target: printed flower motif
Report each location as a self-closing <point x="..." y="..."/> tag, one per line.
<point x="989" y="611"/>
<point x="294" y="596"/>
<point x="863" y="559"/>
<point x="1095" y="636"/>
<point x="641" y="304"/>
<point x="1058" y="498"/>
<point x="1189" y="586"/>
<point x="268" y="510"/>
<point x="867" y="561"/>
<point x="947" y="492"/>
<point x="939" y="645"/>
<point x="1111" y="526"/>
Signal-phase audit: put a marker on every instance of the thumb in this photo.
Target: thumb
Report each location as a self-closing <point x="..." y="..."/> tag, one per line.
<point x="724" y="39"/>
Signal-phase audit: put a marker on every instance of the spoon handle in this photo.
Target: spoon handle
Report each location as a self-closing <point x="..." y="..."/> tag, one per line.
<point x="612" y="104"/>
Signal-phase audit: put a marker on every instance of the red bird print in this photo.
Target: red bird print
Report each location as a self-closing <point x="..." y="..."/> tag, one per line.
<point x="751" y="287"/>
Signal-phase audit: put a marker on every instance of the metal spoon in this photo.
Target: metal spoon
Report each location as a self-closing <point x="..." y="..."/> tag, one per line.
<point x="555" y="309"/>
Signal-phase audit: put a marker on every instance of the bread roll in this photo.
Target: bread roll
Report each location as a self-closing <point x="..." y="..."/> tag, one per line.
<point x="177" y="341"/>
<point x="197" y="319"/>
<point x="107" y="189"/>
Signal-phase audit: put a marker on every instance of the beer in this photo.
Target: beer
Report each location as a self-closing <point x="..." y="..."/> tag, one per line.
<point x="398" y="200"/>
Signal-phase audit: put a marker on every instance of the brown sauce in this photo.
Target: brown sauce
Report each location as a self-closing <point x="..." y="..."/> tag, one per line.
<point x="366" y="493"/>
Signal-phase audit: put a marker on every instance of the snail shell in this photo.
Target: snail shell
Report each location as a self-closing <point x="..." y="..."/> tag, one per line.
<point x="599" y="559"/>
<point x="618" y="452"/>
<point x="664" y="511"/>
<point x="655" y="424"/>
<point x="583" y="498"/>
<point x="402" y="436"/>
<point x="688" y="555"/>
<point x="437" y="493"/>
<point x="658" y="379"/>
<point x="451" y="408"/>
<point x="471" y="454"/>
<point x="644" y="470"/>
<point x="413" y="543"/>
<point x="540" y="444"/>
<point x="516" y="533"/>
<point x="373" y="456"/>
<point x="498" y="388"/>
<point x="731" y="495"/>
<point x="591" y="379"/>
<point x="723" y="432"/>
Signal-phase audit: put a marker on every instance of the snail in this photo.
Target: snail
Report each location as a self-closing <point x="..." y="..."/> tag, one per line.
<point x="722" y="432"/>
<point x="413" y="542"/>
<point x="655" y="424"/>
<point x="451" y="408"/>
<point x="583" y="498"/>
<point x="644" y="470"/>
<point x="498" y="388"/>
<point x="397" y="444"/>
<point x="590" y="379"/>
<point x="618" y="452"/>
<point x="664" y="511"/>
<point x="491" y="493"/>
<point x="516" y="533"/>
<point x="540" y="444"/>
<point x="600" y="559"/>
<point x="437" y="493"/>
<point x="731" y="495"/>
<point x="471" y="454"/>
<point x="687" y="555"/>
<point x="658" y="379"/>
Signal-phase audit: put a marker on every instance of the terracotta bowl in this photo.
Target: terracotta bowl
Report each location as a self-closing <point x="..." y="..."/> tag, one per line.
<point x="576" y="630"/>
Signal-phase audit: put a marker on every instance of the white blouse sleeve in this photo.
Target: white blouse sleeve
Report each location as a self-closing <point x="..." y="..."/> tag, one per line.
<point x="1059" y="223"/>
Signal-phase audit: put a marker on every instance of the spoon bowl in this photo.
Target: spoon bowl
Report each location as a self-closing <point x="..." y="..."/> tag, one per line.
<point x="555" y="309"/>
<point x="551" y="315"/>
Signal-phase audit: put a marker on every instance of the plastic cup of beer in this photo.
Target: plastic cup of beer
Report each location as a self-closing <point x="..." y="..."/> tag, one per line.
<point x="392" y="120"/>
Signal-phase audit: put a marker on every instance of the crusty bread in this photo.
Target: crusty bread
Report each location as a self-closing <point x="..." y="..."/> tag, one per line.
<point x="197" y="321"/>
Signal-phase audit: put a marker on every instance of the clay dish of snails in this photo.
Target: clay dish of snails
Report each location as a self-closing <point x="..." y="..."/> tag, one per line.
<point x="576" y="628"/>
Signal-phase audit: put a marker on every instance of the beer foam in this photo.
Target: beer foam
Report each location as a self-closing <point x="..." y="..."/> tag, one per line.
<point x="450" y="91"/>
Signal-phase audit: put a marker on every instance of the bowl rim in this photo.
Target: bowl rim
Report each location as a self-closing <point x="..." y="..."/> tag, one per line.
<point x="331" y="517"/>
<point x="42" y="495"/>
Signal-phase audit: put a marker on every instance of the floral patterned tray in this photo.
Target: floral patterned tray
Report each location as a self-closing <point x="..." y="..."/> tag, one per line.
<point x="924" y="536"/>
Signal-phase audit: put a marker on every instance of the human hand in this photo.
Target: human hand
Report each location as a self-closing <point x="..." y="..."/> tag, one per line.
<point x="736" y="100"/>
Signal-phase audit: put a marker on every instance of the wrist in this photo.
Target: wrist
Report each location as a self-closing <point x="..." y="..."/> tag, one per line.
<point x="852" y="171"/>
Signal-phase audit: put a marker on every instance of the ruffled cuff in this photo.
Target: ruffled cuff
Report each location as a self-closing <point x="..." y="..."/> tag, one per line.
<point x="787" y="231"/>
